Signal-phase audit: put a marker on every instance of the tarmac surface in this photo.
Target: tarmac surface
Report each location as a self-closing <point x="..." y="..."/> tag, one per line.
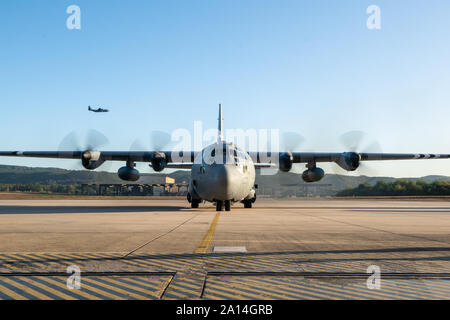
<point x="280" y="249"/>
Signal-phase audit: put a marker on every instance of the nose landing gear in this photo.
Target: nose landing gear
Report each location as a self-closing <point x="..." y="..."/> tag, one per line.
<point x="221" y="204"/>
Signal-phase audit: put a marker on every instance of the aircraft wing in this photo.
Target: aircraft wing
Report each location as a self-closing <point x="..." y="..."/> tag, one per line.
<point x="184" y="160"/>
<point x="139" y="156"/>
<point x="299" y="157"/>
<point x="93" y="159"/>
<point x="349" y="161"/>
<point x="307" y="157"/>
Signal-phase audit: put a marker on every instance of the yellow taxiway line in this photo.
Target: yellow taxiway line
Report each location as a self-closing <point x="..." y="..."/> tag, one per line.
<point x="204" y="245"/>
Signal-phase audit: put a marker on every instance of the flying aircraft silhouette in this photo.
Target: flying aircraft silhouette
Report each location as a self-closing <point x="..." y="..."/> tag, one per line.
<point x="97" y="110"/>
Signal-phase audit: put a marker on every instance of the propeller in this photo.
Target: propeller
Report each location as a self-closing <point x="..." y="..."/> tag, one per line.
<point x="290" y="140"/>
<point x="159" y="140"/>
<point x="355" y="141"/>
<point x="92" y="142"/>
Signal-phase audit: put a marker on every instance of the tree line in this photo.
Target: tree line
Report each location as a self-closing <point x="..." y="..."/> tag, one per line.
<point x="70" y="189"/>
<point x="399" y="188"/>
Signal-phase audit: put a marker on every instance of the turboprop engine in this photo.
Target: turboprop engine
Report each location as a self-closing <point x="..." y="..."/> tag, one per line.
<point x="349" y="161"/>
<point x="159" y="161"/>
<point x="286" y="160"/>
<point x="91" y="159"/>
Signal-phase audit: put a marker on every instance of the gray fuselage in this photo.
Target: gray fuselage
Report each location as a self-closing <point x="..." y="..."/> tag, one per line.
<point x="221" y="172"/>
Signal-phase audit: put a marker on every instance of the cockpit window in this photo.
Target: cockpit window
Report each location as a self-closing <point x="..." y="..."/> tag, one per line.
<point x="227" y="154"/>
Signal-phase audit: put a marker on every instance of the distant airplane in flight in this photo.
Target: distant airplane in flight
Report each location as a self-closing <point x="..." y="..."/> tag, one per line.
<point x="97" y="110"/>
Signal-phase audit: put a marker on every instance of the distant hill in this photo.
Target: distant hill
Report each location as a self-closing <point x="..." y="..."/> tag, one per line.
<point x="399" y="188"/>
<point x="27" y="175"/>
<point x="280" y="184"/>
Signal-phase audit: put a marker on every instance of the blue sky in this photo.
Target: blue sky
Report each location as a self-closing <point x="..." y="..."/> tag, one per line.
<point x="306" y="66"/>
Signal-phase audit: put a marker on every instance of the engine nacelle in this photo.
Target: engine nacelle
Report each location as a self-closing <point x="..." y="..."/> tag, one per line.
<point x="349" y="161"/>
<point x="159" y="161"/>
<point x="286" y="161"/>
<point x="92" y="159"/>
<point x="313" y="175"/>
<point x="128" y="174"/>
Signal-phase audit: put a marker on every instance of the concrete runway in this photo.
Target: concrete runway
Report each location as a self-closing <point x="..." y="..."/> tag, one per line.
<point x="295" y="249"/>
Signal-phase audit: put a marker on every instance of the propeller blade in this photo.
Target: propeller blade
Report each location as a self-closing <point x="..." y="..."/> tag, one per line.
<point x="374" y="147"/>
<point x="137" y="145"/>
<point x="365" y="167"/>
<point x="352" y="140"/>
<point x="291" y="140"/>
<point x="95" y="140"/>
<point x="70" y="142"/>
<point x="159" y="140"/>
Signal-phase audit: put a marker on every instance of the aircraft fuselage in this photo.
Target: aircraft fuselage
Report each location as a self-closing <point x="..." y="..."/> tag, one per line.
<point x="222" y="172"/>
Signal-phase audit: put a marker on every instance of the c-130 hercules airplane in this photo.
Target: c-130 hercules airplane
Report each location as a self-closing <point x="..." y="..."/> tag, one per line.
<point x="97" y="110"/>
<point x="222" y="173"/>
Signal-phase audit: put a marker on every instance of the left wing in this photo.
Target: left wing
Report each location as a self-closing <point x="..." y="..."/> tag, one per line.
<point x="349" y="161"/>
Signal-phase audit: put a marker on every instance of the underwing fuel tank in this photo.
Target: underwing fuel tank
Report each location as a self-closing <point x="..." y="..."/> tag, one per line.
<point x="128" y="174"/>
<point x="313" y="175"/>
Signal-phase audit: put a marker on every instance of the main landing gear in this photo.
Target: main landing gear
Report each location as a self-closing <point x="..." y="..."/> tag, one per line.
<point x="194" y="202"/>
<point x="221" y="204"/>
<point x="249" y="202"/>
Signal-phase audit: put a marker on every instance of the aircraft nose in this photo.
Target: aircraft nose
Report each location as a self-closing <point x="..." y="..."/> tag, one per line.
<point x="223" y="182"/>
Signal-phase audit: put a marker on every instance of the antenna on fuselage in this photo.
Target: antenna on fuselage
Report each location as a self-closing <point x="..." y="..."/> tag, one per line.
<point x="220" y="127"/>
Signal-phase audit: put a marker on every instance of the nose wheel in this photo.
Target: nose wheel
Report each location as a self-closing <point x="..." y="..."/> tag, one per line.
<point x="221" y="204"/>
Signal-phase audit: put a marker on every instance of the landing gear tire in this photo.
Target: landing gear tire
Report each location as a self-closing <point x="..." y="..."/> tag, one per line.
<point x="219" y="206"/>
<point x="227" y="205"/>
<point x="195" y="203"/>
<point x="247" y="204"/>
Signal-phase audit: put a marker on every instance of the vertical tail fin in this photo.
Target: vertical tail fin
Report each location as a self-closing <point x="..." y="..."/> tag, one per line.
<point x="220" y="128"/>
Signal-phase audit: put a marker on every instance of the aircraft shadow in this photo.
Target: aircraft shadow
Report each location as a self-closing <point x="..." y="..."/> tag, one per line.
<point x="84" y="209"/>
<point x="366" y="209"/>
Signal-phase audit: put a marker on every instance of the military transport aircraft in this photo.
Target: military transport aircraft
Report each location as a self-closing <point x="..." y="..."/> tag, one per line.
<point x="97" y="110"/>
<point x="222" y="173"/>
